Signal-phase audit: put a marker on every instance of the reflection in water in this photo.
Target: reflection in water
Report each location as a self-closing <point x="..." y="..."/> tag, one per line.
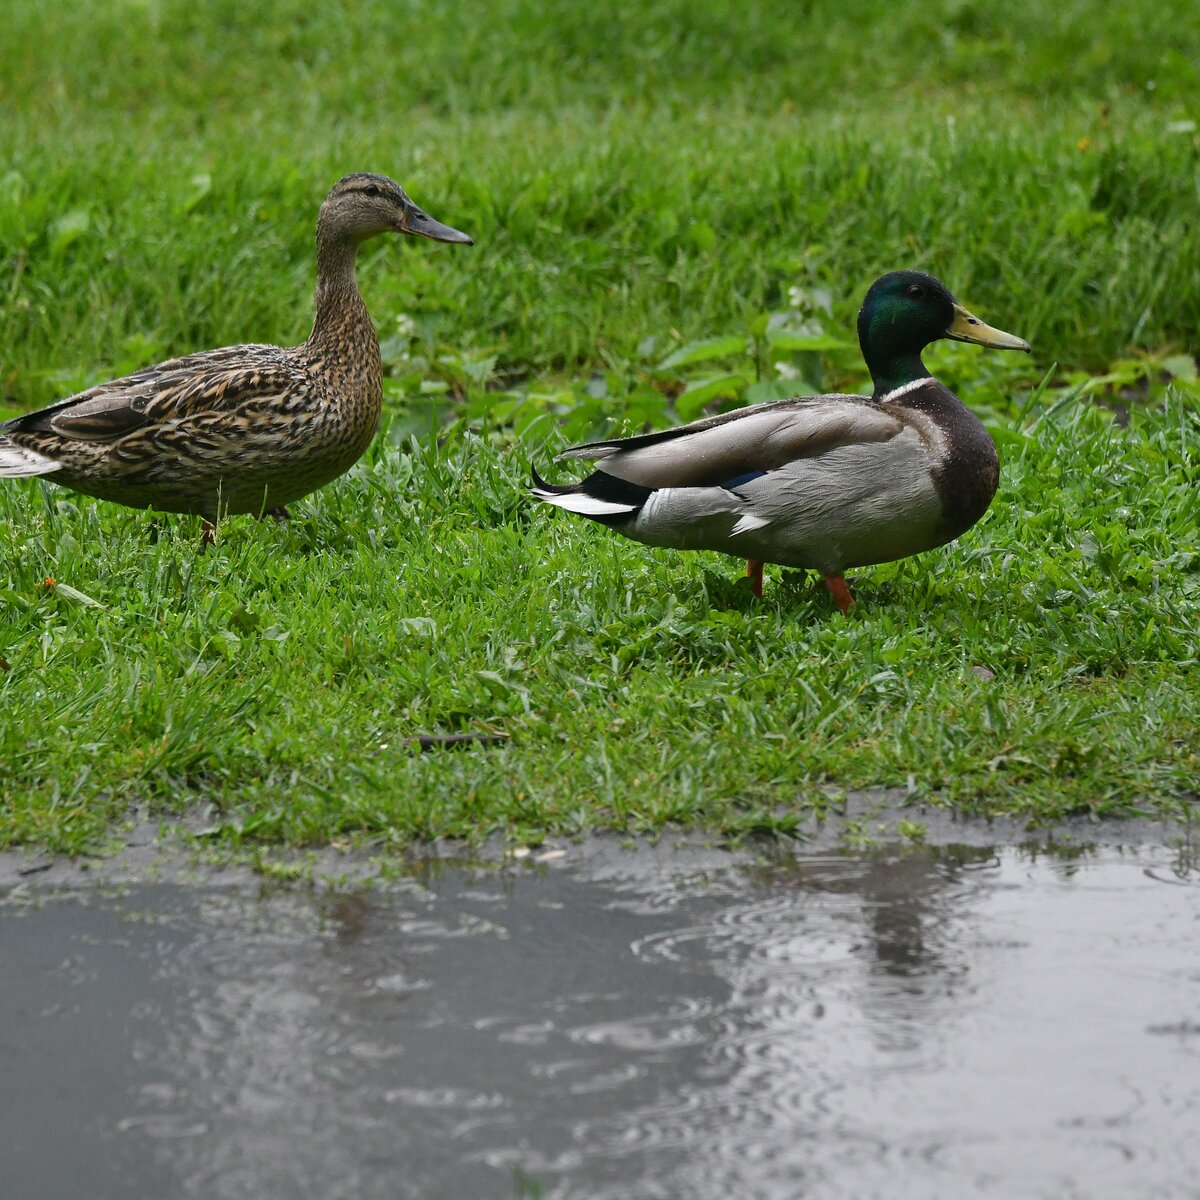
<point x="925" y="1023"/>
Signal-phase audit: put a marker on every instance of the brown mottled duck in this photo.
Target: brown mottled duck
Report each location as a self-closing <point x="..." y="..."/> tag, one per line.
<point x="244" y="429"/>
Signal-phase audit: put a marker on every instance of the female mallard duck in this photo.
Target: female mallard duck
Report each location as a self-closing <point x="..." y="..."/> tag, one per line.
<point x="245" y="429"/>
<point x="823" y="482"/>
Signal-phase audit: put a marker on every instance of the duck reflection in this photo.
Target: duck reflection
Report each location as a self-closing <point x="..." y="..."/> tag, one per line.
<point x="647" y="1026"/>
<point x="908" y="898"/>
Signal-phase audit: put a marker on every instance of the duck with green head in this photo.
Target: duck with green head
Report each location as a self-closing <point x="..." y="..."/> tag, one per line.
<point x="818" y="482"/>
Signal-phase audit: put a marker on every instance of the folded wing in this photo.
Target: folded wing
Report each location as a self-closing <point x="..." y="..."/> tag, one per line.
<point x="724" y="450"/>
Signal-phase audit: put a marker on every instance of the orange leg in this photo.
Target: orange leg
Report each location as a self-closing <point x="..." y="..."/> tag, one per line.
<point x="839" y="591"/>
<point x="754" y="569"/>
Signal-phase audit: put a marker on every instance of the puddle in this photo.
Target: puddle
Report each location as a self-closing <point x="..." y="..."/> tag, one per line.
<point x="952" y="1022"/>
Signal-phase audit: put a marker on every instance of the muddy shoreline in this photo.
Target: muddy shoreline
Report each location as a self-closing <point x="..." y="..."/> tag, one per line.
<point x="152" y="849"/>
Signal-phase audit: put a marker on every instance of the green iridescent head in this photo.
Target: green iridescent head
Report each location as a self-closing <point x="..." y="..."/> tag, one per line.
<point x="906" y="310"/>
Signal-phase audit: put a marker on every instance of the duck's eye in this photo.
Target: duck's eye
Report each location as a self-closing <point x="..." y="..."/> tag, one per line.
<point x="372" y="191"/>
<point x="916" y="291"/>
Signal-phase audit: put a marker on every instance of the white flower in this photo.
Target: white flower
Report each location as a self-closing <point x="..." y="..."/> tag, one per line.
<point x="405" y="325"/>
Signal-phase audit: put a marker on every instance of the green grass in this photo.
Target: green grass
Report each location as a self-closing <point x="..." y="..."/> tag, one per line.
<point x="637" y="184"/>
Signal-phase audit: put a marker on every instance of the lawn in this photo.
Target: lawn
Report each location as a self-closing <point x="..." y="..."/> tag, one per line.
<point x="676" y="207"/>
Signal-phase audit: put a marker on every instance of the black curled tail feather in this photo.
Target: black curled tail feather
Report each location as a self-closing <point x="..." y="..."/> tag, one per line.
<point x="593" y="494"/>
<point x="540" y="485"/>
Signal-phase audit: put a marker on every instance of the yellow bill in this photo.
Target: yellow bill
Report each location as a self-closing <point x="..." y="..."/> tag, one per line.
<point x="968" y="328"/>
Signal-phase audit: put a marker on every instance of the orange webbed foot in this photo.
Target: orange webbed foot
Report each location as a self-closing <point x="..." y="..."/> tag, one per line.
<point x="754" y="570"/>
<point x="839" y="591"/>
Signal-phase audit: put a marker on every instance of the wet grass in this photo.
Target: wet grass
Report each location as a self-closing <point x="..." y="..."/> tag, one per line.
<point x="633" y="191"/>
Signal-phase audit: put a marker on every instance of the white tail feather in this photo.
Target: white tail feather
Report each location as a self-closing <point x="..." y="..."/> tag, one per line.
<point x="19" y="463"/>
<point x="587" y="506"/>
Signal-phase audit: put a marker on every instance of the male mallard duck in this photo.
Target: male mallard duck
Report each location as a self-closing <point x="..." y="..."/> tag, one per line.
<point x="245" y="429"/>
<point x="823" y="482"/>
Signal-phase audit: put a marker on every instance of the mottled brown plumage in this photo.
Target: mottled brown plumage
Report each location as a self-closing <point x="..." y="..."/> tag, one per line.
<point x="244" y="429"/>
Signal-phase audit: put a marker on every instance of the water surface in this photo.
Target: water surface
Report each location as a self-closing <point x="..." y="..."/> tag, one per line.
<point x="926" y="1023"/>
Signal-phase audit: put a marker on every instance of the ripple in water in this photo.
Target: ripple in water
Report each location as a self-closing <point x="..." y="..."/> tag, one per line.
<point x="952" y="1023"/>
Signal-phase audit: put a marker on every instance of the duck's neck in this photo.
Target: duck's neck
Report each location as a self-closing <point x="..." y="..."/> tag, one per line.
<point x="894" y="372"/>
<point x="340" y="316"/>
<point x="891" y="352"/>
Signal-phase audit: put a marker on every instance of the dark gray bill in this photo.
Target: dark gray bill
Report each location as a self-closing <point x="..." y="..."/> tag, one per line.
<point x="421" y="224"/>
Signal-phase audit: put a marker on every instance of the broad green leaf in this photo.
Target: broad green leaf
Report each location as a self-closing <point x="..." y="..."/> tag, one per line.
<point x="1180" y="366"/>
<point x="766" y="391"/>
<point x="479" y="370"/>
<point x="690" y="402"/>
<point x="703" y="351"/>
<point x="500" y="406"/>
<point x="8" y="596"/>
<point x="646" y="406"/>
<point x="68" y="229"/>
<point x="784" y="339"/>
<point x="67" y="592"/>
<point x="243" y="620"/>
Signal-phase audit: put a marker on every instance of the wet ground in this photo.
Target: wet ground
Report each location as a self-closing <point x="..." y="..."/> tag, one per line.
<point x="916" y="1022"/>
